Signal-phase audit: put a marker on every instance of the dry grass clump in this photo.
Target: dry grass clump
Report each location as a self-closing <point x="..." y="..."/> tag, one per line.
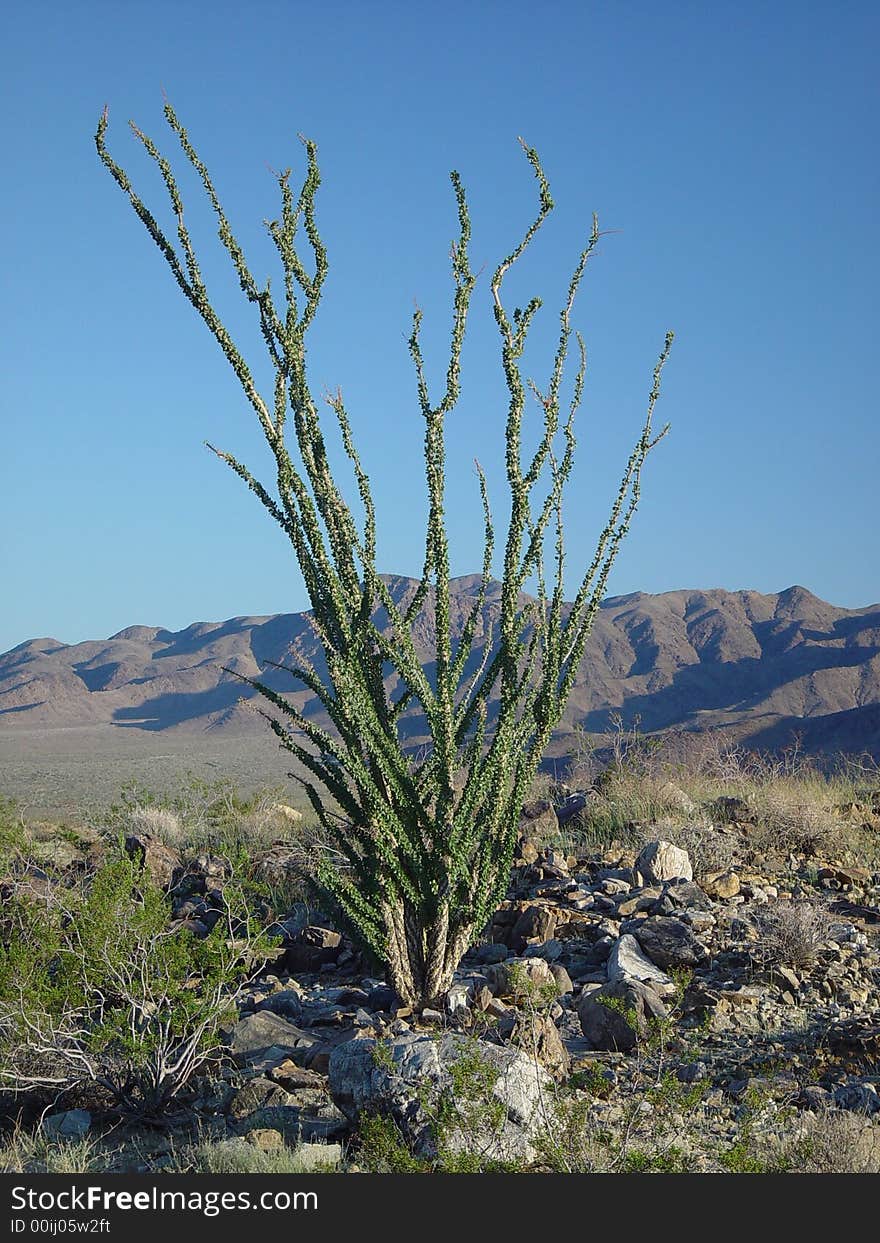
<point x="831" y="1141"/>
<point x="792" y="933"/>
<point x="690" y="782"/>
<point x="203" y="815"/>
<point x="793" y="816"/>
<point x="238" y="1156"/>
<point x="709" y="848"/>
<point x="24" y="1153"/>
<point x="159" y="822"/>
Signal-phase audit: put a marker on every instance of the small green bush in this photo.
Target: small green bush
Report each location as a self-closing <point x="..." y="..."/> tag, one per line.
<point x="383" y="1150"/>
<point x="13" y="839"/>
<point x="95" y="987"/>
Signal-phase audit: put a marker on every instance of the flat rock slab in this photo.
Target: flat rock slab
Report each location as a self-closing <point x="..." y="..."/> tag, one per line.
<point x="267" y="1038"/>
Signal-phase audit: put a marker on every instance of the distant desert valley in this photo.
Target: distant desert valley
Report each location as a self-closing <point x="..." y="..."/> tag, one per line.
<point x="769" y="671"/>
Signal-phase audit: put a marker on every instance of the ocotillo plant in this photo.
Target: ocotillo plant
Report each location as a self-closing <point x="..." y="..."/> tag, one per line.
<point x="423" y="846"/>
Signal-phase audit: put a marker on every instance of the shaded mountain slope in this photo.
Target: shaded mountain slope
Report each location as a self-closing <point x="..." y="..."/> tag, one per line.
<point x="765" y="666"/>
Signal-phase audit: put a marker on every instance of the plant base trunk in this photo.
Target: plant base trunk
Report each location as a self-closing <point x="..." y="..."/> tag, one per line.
<point x="422" y="960"/>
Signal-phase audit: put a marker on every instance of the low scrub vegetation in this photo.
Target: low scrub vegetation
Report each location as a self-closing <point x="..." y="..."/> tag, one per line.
<point x="279" y="846"/>
<point x="201" y="815"/>
<point x="26" y="1153"/>
<point x="97" y="988"/>
<point x="130" y="949"/>
<point x="694" y="785"/>
<point x="238" y="1156"/>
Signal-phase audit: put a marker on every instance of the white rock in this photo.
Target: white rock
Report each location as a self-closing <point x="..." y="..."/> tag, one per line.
<point x="627" y="962"/>
<point x="458" y="999"/>
<point x="660" y="861"/>
<point x="285" y="812"/>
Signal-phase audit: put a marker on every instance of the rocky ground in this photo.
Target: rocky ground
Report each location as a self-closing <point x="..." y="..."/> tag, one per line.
<point x="632" y="1006"/>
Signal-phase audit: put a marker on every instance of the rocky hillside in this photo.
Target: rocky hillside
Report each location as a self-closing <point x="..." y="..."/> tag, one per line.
<point x="764" y="666"/>
<point x="703" y="996"/>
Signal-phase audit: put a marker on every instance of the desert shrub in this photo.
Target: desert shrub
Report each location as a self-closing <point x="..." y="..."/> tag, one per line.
<point x="155" y="821"/>
<point x="382" y="1148"/>
<point x="793" y="817"/>
<point x="658" y="1128"/>
<point x="278" y="847"/>
<point x="791" y="933"/>
<point x="96" y="988"/>
<point x="831" y="1141"/>
<point x="13" y="841"/>
<point x="574" y="1141"/>
<point x="208" y="815"/>
<point x="425" y="862"/>
<point x="681" y="781"/>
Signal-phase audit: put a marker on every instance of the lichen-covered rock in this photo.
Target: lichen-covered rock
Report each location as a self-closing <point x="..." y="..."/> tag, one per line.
<point x="406" y="1077"/>
<point x="520" y="977"/>
<point x="722" y="885"/>
<point x="538" y="1036"/>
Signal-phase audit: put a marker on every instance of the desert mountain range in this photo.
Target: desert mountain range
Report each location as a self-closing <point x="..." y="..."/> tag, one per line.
<point x="767" y="667"/>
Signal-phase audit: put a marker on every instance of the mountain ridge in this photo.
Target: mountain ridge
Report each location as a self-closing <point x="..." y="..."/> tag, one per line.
<point x="765" y="665"/>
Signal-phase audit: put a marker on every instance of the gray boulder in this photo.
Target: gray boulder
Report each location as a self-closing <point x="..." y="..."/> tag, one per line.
<point x="407" y="1077"/>
<point x="681" y="895"/>
<point x="71" y="1124"/>
<point x="660" y="861"/>
<point x="264" y="1038"/>
<point x="287" y="1003"/>
<point x="617" y="1016"/>
<point x="669" y="942"/>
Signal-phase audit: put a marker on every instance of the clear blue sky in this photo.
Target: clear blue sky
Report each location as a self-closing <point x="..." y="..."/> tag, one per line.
<point x="731" y="147"/>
